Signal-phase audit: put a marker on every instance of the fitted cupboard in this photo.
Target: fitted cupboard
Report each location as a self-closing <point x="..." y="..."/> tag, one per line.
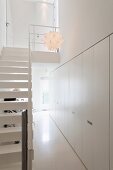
<point x="82" y="97"/>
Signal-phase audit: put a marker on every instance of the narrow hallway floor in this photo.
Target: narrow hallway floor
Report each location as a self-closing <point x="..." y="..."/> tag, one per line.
<point x="51" y="150"/>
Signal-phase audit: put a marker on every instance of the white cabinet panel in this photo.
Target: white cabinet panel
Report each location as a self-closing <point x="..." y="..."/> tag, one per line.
<point x="74" y="118"/>
<point x="101" y="105"/>
<point x="60" y="101"/>
<point x="82" y="105"/>
<point x="96" y="107"/>
<point x="88" y="108"/>
<point x="66" y="99"/>
<point x="111" y="102"/>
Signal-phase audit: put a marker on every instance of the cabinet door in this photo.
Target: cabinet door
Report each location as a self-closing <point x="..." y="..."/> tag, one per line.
<point x="101" y="105"/>
<point x="111" y="102"/>
<point x="96" y="107"/>
<point x="61" y="97"/>
<point x="66" y="102"/>
<point x="88" y="109"/>
<point x="74" y="122"/>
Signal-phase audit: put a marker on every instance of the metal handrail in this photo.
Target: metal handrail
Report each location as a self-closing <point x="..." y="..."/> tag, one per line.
<point x="46" y="26"/>
<point x="35" y="35"/>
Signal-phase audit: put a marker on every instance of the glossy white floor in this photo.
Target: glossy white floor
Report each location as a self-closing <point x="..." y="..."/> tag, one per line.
<point x="52" y="152"/>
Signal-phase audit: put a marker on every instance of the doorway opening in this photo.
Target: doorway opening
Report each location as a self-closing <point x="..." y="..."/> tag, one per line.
<point x="44" y="93"/>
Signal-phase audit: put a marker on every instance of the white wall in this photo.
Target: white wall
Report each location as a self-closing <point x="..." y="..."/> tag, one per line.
<point x="31" y="13"/>
<point x="9" y="28"/>
<point x="6" y="33"/>
<point x="2" y="23"/>
<point x="56" y="13"/>
<point x="83" y="23"/>
<point x="81" y="86"/>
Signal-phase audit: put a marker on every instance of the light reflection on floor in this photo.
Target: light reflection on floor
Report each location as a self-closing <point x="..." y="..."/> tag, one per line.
<point x="51" y="150"/>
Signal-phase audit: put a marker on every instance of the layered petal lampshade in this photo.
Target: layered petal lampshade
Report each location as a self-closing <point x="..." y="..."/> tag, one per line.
<point x="53" y="40"/>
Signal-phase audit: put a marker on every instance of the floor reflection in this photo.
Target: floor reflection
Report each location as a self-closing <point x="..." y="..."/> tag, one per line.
<point x="51" y="150"/>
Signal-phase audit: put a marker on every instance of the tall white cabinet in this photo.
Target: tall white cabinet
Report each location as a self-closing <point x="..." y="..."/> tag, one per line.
<point x="96" y="107"/>
<point x="82" y="108"/>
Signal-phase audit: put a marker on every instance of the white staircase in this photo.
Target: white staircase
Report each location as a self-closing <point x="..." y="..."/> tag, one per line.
<point x="14" y="74"/>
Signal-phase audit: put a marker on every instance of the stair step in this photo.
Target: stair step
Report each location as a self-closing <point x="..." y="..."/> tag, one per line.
<point x="13" y="105"/>
<point x="15" y="57"/>
<point x="13" y="94"/>
<point x="12" y="76"/>
<point x="10" y="134"/>
<point x="10" y="153"/>
<point x="13" y="69"/>
<point x="11" y="118"/>
<point x="15" y="49"/>
<point x="13" y="84"/>
<point x="14" y="63"/>
<point x="5" y="149"/>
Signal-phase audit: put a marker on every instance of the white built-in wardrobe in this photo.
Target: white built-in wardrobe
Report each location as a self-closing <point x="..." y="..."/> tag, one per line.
<point x="82" y="100"/>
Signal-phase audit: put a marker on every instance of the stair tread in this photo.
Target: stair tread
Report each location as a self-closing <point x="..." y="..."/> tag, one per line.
<point x="11" y="118"/>
<point x="23" y="101"/>
<point x="14" y="94"/>
<point x="14" y="105"/>
<point x="15" y="48"/>
<point x="9" y="91"/>
<point x="14" y="81"/>
<point x="14" y="76"/>
<point x="14" y="61"/>
<point x="10" y="114"/>
<point x="13" y="67"/>
<point x="12" y="84"/>
<point x="10" y="130"/>
<point x="14" y="73"/>
<point x="14" y="148"/>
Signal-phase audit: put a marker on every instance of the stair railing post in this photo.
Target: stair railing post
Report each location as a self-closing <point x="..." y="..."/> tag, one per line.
<point x="30" y="131"/>
<point x="24" y="140"/>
